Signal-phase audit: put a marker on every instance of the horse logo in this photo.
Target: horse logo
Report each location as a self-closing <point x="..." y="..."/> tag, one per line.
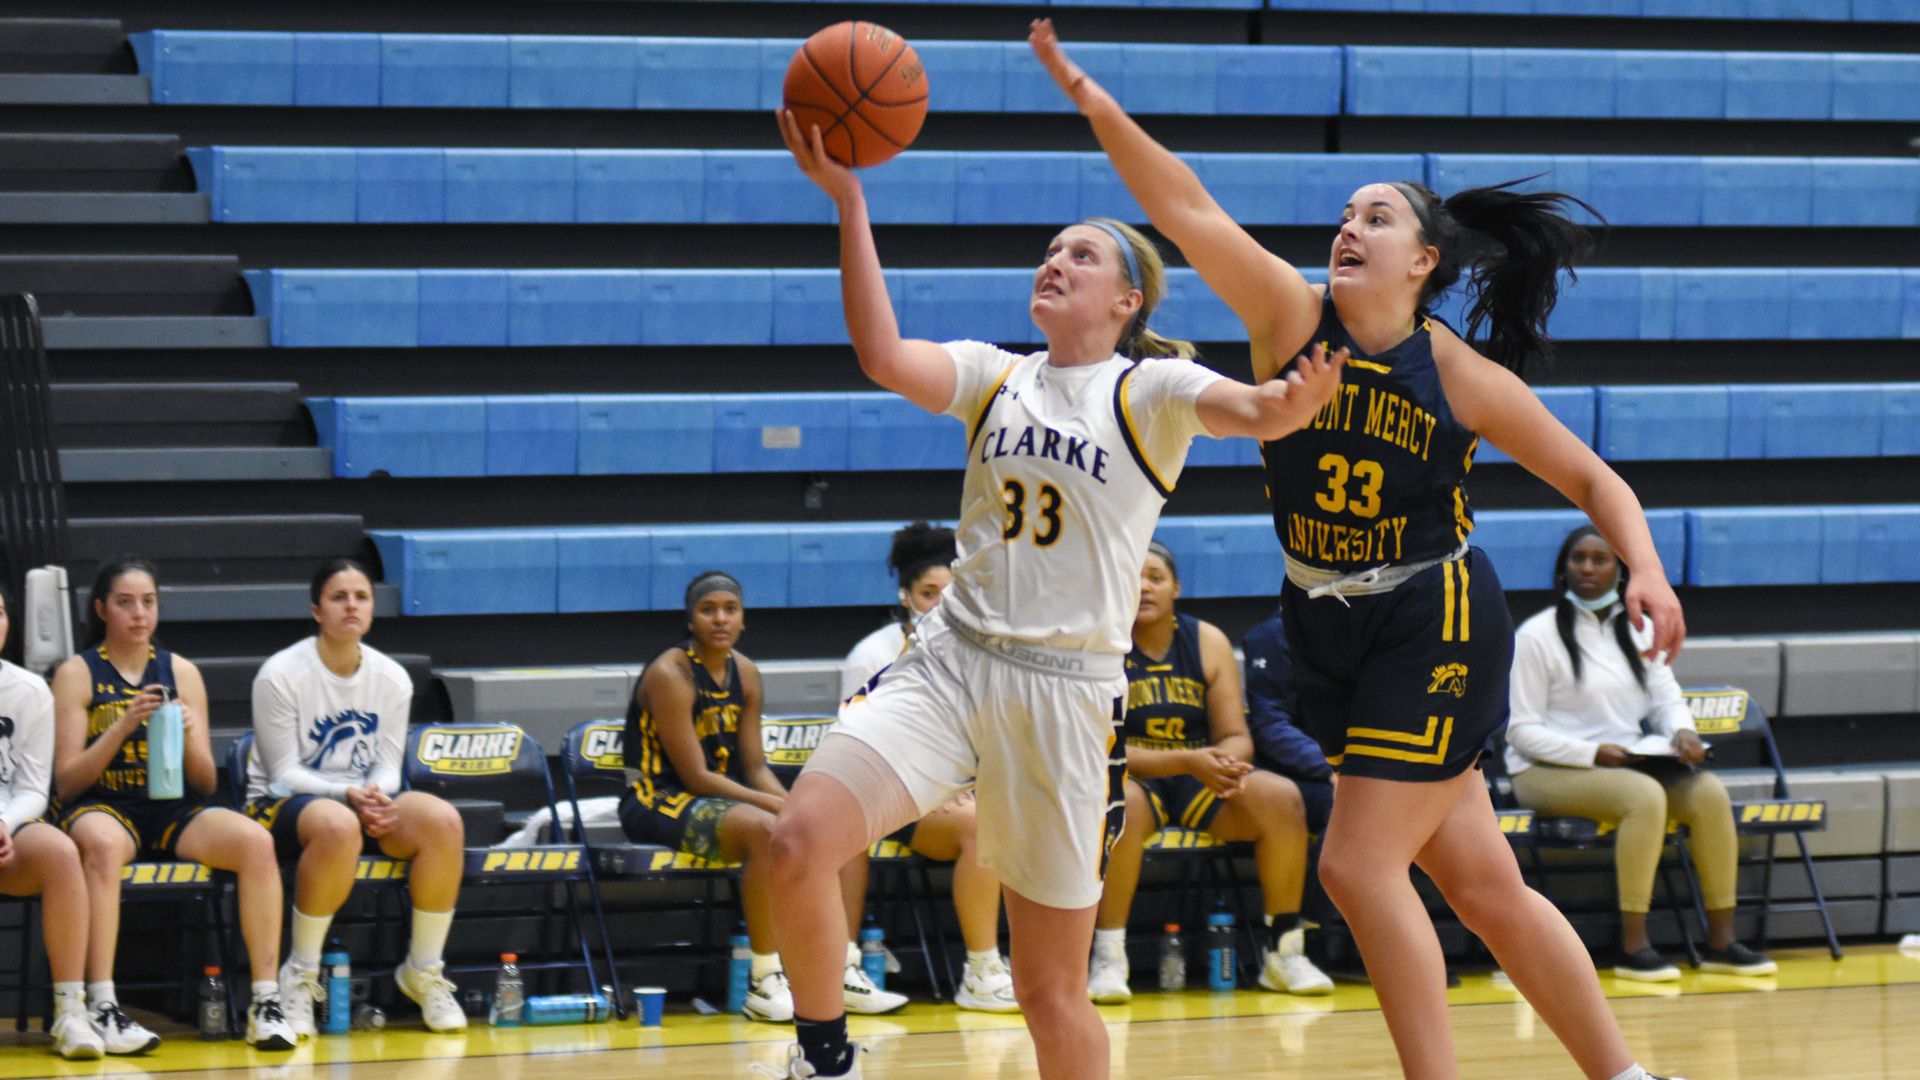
<point x="349" y="735"/>
<point x="1449" y="679"/>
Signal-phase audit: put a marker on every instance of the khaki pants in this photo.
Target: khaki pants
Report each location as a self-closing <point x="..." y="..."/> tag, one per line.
<point x="1639" y="806"/>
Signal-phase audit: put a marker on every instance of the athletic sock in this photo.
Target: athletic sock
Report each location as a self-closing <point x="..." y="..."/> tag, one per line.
<point x="1281" y="924"/>
<point x="101" y="993"/>
<point x="853" y="955"/>
<point x="765" y="964"/>
<point x="1633" y="1072"/>
<point x="309" y="938"/>
<point x="266" y="990"/>
<point x="69" y="997"/>
<point x="429" y="938"/>
<point x="983" y="957"/>
<point x="1114" y="940"/>
<point x="824" y="1044"/>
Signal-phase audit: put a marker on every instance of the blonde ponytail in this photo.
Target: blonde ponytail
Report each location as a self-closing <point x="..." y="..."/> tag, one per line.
<point x="1140" y="342"/>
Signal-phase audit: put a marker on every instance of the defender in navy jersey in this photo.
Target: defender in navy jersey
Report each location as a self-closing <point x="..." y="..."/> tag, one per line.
<point x="1399" y="633"/>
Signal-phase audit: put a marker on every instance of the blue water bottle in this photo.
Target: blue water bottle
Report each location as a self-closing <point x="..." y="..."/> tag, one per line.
<point x="739" y="973"/>
<point x="337" y="968"/>
<point x="166" y="732"/>
<point x="1220" y="958"/>
<point x="873" y="956"/>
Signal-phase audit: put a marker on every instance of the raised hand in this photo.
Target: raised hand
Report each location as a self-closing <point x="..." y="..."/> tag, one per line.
<point x="810" y="153"/>
<point x="1046" y="47"/>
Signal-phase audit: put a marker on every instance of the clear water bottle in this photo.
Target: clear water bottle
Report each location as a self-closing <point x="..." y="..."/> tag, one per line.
<point x="338" y="969"/>
<point x="1221" y="972"/>
<point x="509" y="994"/>
<point x="213" y="1006"/>
<point x="1173" y="959"/>
<point x="739" y="973"/>
<point x="873" y="956"/>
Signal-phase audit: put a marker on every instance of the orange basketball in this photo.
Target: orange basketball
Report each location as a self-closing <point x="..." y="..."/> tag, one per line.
<point x="863" y="86"/>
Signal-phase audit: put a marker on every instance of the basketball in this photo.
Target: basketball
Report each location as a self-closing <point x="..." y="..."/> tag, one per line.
<point x="862" y="85"/>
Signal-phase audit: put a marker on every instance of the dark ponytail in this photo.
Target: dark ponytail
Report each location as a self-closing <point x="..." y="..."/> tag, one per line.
<point x="1512" y="246"/>
<point x="1563" y="610"/>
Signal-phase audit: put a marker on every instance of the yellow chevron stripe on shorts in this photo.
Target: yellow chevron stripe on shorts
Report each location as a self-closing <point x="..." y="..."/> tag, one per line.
<point x="1435" y="726"/>
<point x="1197" y="809"/>
<point x="1449" y="626"/>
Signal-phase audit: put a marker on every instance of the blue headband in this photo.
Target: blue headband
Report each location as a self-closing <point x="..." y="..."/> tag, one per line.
<point x="1126" y="250"/>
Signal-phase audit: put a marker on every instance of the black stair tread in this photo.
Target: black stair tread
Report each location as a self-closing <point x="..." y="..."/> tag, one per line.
<point x="77" y="46"/>
<point x="229" y="682"/>
<point x="81" y="162"/>
<point x="252" y="601"/>
<point x="180" y="415"/>
<point x="250" y="535"/>
<point x="169" y="331"/>
<point x="130" y="465"/>
<point x="129" y="284"/>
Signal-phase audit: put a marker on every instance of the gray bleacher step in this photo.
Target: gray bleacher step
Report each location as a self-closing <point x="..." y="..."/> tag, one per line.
<point x="157" y="332"/>
<point x="57" y="162"/>
<point x="105" y="208"/>
<point x="126" y="465"/>
<point x="223" y="550"/>
<point x="1752" y="664"/>
<point x="137" y="415"/>
<point x="40" y="88"/>
<point x="75" y="46"/>
<point x="1851" y="674"/>
<point x="221" y="603"/>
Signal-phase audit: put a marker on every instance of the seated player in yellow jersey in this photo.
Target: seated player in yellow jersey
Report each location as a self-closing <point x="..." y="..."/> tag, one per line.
<point x="1189" y="763"/>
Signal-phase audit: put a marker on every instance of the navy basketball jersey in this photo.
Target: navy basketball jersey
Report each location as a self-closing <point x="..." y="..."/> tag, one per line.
<point x="1379" y="475"/>
<point x="716" y="723"/>
<point x="125" y="777"/>
<point x="1167" y="698"/>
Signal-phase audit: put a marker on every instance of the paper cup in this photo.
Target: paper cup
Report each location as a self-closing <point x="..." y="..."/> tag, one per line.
<point x="649" y="1002"/>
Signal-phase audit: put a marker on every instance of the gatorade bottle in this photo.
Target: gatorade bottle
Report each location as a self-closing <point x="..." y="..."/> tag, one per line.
<point x="739" y="973"/>
<point x="337" y="969"/>
<point x="213" y="1006"/>
<point x="509" y="994"/>
<point x="873" y="956"/>
<point x="1220" y="958"/>
<point x="1173" y="960"/>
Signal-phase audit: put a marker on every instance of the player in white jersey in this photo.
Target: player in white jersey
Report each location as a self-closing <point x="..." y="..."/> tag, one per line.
<point x="1013" y="684"/>
<point x="330" y="731"/>
<point x="36" y="857"/>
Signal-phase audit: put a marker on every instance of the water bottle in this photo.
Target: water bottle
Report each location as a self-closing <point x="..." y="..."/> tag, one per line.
<point x="509" y="994"/>
<point x="739" y="973"/>
<point x="213" y="1006"/>
<point x="873" y="956"/>
<point x="166" y="731"/>
<point x="339" y="972"/>
<point x="368" y="1018"/>
<point x="1173" y="960"/>
<point x="1221" y="973"/>
<point x="566" y="1009"/>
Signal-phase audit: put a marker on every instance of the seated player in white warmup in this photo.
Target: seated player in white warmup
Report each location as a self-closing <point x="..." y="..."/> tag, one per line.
<point x="329" y="734"/>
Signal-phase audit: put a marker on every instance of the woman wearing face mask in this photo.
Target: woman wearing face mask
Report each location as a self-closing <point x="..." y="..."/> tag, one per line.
<point x="922" y="557"/>
<point x="1580" y="690"/>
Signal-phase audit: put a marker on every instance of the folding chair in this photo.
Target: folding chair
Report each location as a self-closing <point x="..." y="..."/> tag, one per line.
<point x="1209" y="866"/>
<point x="474" y="760"/>
<point x="1726" y="716"/>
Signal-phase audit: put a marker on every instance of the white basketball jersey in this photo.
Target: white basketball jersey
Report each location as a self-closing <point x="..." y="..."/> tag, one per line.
<point x="1061" y="497"/>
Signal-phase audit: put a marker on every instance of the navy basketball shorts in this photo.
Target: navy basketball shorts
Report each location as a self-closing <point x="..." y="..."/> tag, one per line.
<point x="677" y="820"/>
<point x="1409" y="684"/>
<point x="1181" y="800"/>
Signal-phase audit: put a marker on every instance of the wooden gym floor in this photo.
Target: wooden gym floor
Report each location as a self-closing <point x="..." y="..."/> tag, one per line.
<point x="1858" y="1019"/>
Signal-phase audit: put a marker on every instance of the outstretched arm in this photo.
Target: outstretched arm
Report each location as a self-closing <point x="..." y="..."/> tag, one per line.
<point x="1277" y="407"/>
<point x="920" y="371"/>
<point x="1278" y="306"/>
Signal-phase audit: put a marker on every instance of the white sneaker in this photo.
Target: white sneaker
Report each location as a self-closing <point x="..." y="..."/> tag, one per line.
<point x="299" y="989"/>
<point x="798" y="1068"/>
<point x="76" y="1039"/>
<point x="433" y="992"/>
<point x="267" y="1027"/>
<point x="1107" y="977"/>
<point x="987" y="987"/>
<point x="769" y="1000"/>
<point x="862" y="996"/>
<point x="120" y="1033"/>
<point x="1288" y="970"/>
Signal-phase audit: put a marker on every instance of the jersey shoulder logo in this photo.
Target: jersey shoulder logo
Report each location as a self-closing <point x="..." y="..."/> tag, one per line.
<point x="1449" y="679"/>
<point x="343" y="742"/>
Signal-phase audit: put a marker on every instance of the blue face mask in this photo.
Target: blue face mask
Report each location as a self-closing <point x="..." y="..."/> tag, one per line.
<point x="1598" y="603"/>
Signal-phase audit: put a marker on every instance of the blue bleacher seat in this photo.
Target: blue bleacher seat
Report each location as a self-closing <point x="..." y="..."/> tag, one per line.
<point x="471" y="571"/>
<point x="759" y="187"/>
<point x="1910" y="302"/>
<point x="1646" y="190"/>
<point x="1804" y="421"/>
<point x="1754" y="546"/>
<point x="463" y="307"/>
<point x="277" y="183"/>
<point x="533" y="435"/>
<point x="982" y="305"/>
<point x="526" y="186"/>
<point x="1779" y="86"/>
<point x="1757" y="191"/>
<point x="574" y="307"/>
<point x="964" y="76"/>
<point x="1278" y="80"/>
<point x="1487" y="82"/>
<point x="1230" y="555"/>
<point x="1731" y="304"/>
<point x="1868" y="544"/>
<point x="706" y="307"/>
<point x="1030" y="89"/>
<point x="621" y="186"/>
<point x="758" y="557"/>
<point x="886" y="431"/>
<point x="1017" y="189"/>
<point x="336" y="69"/>
<point x="403" y="436"/>
<point x="1254" y="189"/>
<point x="364" y="308"/>
<point x="840" y="565"/>
<point x="1104" y="194"/>
<point x="1670" y="84"/>
<point x="918" y="187"/>
<point x="780" y="432"/>
<point x="1192" y="312"/>
<point x="1557" y="82"/>
<point x="775" y="55"/>
<point x="216" y="67"/>
<point x="697" y="73"/>
<point x="1168" y="79"/>
<point x="1866" y="191"/>
<point x="1695" y="9"/>
<point x="552" y="72"/>
<point x="1900" y="420"/>
<point x="1522" y="543"/>
<point x="656" y="433"/>
<point x="1872" y="86"/>
<point x="1206" y="452"/>
<point x="603" y="569"/>
<point x="1386" y="80"/>
<point x="1849" y="303"/>
<point x="1602" y="304"/>
<point x="806" y="306"/>
<point x="1573" y="406"/>
<point x="401" y="186"/>
<point x="1324" y="182"/>
<point x="1661" y="423"/>
<point x="444" y="70"/>
<point x="1885" y="11"/>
